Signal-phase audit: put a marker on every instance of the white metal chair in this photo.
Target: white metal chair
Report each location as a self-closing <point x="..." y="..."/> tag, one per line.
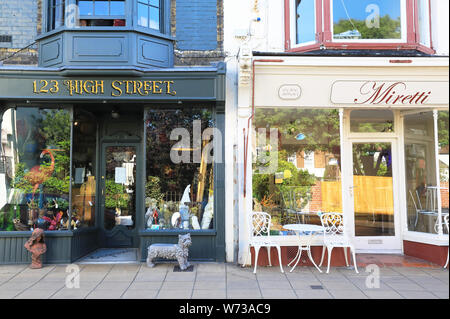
<point x="259" y="227"/>
<point x="446" y="225"/>
<point x="335" y="236"/>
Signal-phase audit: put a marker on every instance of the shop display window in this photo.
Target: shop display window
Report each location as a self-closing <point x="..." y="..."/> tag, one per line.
<point x="35" y="176"/>
<point x="420" y="164"/>
<point x="179" y="188"/>
<point x="84" y="169"/>
<point x="296" y="165"/>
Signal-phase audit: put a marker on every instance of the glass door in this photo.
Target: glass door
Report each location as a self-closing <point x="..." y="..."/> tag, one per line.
<point x="372" y="189"/>
<point x="119" y="194"/>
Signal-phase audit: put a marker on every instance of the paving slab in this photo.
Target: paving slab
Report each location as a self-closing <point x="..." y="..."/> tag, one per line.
<point x="35" y="294"/>
<point x="382" y="294"/>
<point x="73" y="293"/>
<point x="174" y="294"/>
<point x="313" y="294"/>
<point x="276" y="293"/>
<point x="216" y="293"/>
<point x="347" y="294"/>
<point x="233" y="293"/>
<point x="105" y="294"/>
<point x="140" y="294"/>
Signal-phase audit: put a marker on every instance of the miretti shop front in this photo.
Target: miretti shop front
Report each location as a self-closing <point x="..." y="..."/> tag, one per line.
<point x="104" y="158"/>
<point x="363" y="136"/>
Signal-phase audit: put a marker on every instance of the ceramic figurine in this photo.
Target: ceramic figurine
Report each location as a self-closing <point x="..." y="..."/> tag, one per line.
<point x="36" y="246"/>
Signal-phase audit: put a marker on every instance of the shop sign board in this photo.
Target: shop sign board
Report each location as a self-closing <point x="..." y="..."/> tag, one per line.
<point x="143" y="88"/>
<point x="390" y="93"/>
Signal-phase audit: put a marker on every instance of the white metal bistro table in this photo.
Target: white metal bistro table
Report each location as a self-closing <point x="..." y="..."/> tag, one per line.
<point x="305" y="233"/>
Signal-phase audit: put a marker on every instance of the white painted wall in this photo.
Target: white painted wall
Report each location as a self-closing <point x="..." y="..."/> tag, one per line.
<point x="440" y="26"/>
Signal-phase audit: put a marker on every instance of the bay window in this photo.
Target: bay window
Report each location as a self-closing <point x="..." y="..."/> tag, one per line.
<point x="363" y="24"/>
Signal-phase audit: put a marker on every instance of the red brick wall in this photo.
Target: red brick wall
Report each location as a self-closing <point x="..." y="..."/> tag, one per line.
<point x="315" y="204"/>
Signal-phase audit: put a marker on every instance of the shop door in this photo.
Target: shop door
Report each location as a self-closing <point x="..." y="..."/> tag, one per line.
<point x="373" y="195"/>
<point x="118" y="194"/>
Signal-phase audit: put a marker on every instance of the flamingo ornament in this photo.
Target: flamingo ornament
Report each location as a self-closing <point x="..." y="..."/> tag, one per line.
<point x="38" y="175"/>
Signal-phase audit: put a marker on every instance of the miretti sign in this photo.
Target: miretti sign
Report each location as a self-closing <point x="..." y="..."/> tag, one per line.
<point x="392" y="93"/>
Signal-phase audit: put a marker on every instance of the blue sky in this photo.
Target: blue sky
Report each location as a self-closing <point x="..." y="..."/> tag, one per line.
<point x="357" y="8"/>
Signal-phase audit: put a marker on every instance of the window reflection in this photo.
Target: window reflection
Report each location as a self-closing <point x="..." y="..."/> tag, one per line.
<point x="296" y="165"/>
<point x="306" y="21"/>
<point x="372" y="174"/>
<point x="179" y="187"/>
<point x="372" y="121"/>
<point x="149" y="14"/>
<point x="35" y="185"/>
<point x="84" y="170"/>
<point x="420" y="165"/>
<point x="367" y="19"/>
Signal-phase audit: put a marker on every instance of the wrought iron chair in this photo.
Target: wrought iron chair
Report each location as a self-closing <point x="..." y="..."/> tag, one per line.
<point x="335" y="236"/>
<point x="259" y="227"/>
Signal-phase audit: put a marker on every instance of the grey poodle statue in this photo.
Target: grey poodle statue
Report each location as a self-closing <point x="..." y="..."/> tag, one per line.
<point x="178" y="251"/>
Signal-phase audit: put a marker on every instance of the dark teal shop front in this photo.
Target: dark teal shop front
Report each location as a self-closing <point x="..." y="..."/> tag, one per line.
<point x="105" y="158"/>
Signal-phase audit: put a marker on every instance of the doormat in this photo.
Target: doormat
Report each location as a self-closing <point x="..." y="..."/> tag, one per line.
<point x="188" y="269"/>
<point x="111" y="255"/>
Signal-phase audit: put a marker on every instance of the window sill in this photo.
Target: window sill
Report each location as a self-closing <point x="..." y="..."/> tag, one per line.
<point x="172" y="232"/>
<point x="426" y="238"/>
<point x="362" y="46"/>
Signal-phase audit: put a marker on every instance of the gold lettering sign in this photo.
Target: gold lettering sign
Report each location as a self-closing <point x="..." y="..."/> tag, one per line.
<point x="97" y="87"/>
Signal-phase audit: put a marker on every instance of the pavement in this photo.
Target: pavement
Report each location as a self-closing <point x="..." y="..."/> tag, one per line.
<point x="221" y="281"/>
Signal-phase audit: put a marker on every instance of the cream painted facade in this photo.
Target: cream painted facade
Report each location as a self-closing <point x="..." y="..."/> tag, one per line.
<point x="287" y="81"/>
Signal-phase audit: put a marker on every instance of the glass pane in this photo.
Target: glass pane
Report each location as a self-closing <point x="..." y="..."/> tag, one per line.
<point x="117" y="7"/>
<point x="372" y="121"/>
<point x="443" y="162"/>
<point x="296" y="165"/>
<point x="424" y="22"/>
<point x="142" y="15"/>
<point x="101" y="8"/>
<point x="59" y="13"/>
<point x="86" y="7"/>
<point x="120" y="186"/>
<point x="34" y="170"/>
<point x="366" y="19"/>
<point x="154" y="3"/>
<point x="154" y="18"/>
<point x="372" y="174"/>
<point x="180" y="180"/>
<point x="84" y="170"/>
<point x="420" y="165"/>
<point x="305" y="21"/>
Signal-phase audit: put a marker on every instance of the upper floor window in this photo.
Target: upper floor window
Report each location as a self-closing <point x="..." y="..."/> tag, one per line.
<point x="56" y="12"/>
<point x="101" y="13"/>
<point x="305" y="21"/>
<point x="148" y="12"/>
<point x="147" y="15"/>
<point x="368" y="20"/>
<point x="362" y="24"/>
